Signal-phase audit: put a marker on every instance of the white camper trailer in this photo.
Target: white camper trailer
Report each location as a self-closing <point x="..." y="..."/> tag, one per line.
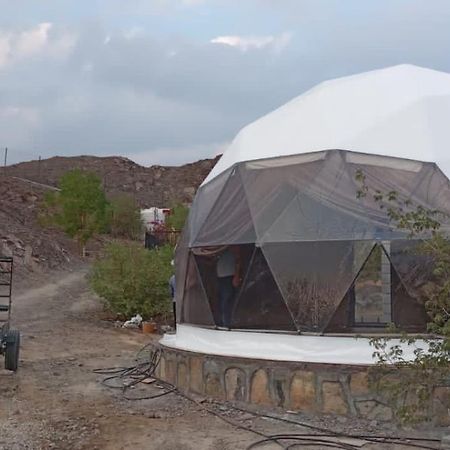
<point x="153" y="217"/>
<point x="153" y="220"/>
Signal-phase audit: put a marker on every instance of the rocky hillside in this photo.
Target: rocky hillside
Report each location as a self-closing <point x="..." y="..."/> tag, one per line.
<point x="34" y="248"/>
<point x="152" y="186"/>
<point x="22" y="187"/>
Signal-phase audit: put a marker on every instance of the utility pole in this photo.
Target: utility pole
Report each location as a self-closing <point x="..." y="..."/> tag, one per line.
<point x="6" y="155"/>
<point x="39" y="168"/>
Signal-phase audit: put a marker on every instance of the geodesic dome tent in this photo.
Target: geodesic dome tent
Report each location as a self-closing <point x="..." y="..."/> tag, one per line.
<point x="316" y="255"/>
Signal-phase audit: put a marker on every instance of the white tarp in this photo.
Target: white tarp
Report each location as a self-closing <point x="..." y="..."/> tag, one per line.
<point x="401" y="111"/>
<point x="280" y="347"/>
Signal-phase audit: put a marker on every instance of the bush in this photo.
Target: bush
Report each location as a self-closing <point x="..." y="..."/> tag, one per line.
<point x="126" y="218"/>
<point x="133" y="280"/>
<point x="177" y="217"/>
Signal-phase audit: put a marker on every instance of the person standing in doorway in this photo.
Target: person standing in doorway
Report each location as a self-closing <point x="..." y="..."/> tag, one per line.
<point x="228" y="279"/>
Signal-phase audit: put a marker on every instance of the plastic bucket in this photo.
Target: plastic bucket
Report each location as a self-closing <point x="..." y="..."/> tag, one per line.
<point x="148" y="327"/>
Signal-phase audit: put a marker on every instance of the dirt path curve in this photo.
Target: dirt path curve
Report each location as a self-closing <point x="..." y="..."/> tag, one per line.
<point x="55" y="401"/>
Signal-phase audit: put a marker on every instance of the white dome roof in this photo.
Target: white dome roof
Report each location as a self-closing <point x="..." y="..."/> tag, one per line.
<point x="401" y="111"/>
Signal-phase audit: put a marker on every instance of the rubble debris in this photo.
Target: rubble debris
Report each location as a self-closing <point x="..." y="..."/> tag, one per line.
<point x="134" y="322"/>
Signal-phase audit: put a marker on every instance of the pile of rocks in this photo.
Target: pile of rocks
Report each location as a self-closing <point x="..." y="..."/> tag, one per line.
<point x="21" y="236"/>
<point x="151" y="186"/>
<point x="23" y="186"/>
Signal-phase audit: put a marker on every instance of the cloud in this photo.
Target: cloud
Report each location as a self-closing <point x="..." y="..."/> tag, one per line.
<point x="32" y="41"/>
<point x="16" y="46"/>
<point x="133" y="33"/>
<point x="245" y="43"/>
<point x="29" y="115"/>
<point x="193" y="2"/>
<point x="139" y="82"/>
<point x="4" y="50"/>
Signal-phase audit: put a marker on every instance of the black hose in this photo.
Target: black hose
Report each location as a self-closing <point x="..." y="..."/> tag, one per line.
<point x="133" y="375"/>
<point x="306" y="439"/>
<point x="366" y="437"/>
<point x="145" y="370"/>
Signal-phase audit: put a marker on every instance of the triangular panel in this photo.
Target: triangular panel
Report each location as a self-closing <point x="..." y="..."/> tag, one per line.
<point x="378" y="297"/>
<point x="229" y="221"/>
<point x="408" y="313"/>
<point x="413" y="266"/>
<point x="206" y="260"/>
<point x="196" y="308"/>
<point x="259" y="304"/>
<point x="368" y="301"/>
<point x="372" y="290"/>
<point x="205" y="199"/>
<point x="314" y="276"/>
<point x="271" y="185"/>
<point x="307" y="218"/>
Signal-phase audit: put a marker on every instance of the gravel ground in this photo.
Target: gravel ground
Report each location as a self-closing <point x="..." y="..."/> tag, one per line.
<point x="56" y="401"/>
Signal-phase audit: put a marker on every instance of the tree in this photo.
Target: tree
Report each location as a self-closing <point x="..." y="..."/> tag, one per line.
<point x="177" y="217"/>
<point x="79" y="208"/>
<point x="422" y="224"/>
<point x="125" y="217"/>
<point x="133" y="280"/>
<point x="410" y="392"/>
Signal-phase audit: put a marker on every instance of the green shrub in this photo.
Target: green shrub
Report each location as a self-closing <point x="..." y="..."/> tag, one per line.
<point x="177" y="217"/>
<point x="133" y="280"/>
<point x="126" y="217"/>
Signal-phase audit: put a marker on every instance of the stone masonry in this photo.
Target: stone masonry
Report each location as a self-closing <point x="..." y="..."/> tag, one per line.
<point x="307" y="387"/>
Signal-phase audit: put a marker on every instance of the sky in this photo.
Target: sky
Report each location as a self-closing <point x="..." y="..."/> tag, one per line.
<point x="173" y="81"/>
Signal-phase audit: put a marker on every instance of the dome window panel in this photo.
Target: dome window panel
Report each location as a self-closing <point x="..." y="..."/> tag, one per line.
<point x="372" y="290"/>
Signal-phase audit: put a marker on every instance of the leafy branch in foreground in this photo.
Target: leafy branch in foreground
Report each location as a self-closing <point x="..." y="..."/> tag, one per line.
<point x="402" y="212"/>
<point x="409" y="383"/>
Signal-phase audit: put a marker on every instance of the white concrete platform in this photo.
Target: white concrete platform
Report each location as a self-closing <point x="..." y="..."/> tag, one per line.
<point x="279" y="347"/>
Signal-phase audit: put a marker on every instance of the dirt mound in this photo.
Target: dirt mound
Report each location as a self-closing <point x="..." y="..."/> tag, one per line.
<point x="151" y="186"/>
<point x="23" y="186"/>
<point x="33" y="247"/>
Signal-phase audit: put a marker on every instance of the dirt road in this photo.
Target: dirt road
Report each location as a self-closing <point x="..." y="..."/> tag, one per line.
<point x="55" y="400"/>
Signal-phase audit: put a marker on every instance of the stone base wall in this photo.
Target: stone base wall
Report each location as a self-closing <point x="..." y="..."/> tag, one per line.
<point x="307" y="387"/>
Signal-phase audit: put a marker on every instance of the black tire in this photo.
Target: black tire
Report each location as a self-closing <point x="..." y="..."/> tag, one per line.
<point x="12" y="350"/>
